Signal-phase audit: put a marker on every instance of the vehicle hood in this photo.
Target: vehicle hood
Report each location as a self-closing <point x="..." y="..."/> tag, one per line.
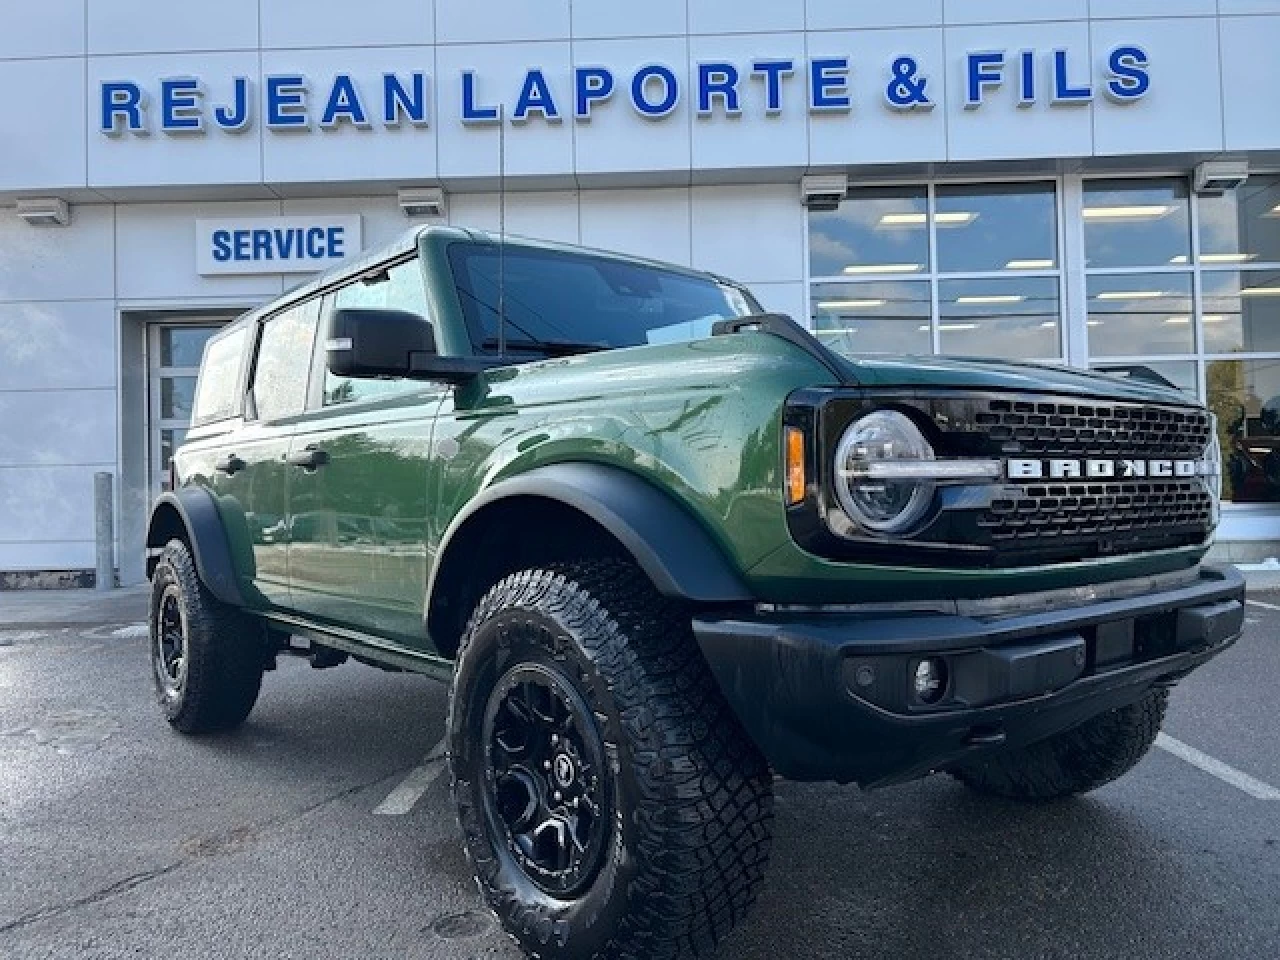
<point x="991" y="374"/>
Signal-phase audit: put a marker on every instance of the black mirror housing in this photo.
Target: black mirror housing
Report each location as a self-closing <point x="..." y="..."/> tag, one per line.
<point x="377" y="342"/>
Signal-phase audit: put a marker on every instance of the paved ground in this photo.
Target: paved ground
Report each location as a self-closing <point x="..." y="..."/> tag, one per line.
<point x="119" y="838"/>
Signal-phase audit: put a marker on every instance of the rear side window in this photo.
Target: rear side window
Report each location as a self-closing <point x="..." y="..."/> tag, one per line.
<point x="284" y="362"/>
<point x="216" y="390"/>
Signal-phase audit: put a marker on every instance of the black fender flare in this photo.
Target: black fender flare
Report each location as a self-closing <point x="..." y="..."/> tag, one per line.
<point x="197" y="510"/>
<point x="670" y="546"/>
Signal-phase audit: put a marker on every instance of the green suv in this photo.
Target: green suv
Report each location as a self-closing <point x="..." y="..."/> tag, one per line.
<point x="664" y="547"/>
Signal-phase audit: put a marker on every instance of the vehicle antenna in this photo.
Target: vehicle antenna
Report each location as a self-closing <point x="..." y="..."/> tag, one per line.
<point x="502" y="231"/>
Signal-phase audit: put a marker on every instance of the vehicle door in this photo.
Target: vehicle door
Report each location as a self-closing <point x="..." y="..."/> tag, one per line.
<point x="358" y="492"/>
<point x="251" y="472"/>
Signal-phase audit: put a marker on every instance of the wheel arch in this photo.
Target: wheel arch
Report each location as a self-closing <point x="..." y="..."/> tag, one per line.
<point x="592" y="508"/>
<point x="191" y="515"/>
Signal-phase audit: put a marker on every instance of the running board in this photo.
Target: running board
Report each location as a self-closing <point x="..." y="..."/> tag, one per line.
<point x="364" y="645"/>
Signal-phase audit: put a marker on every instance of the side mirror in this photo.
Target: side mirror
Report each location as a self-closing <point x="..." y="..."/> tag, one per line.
<point x="376" y="342"/>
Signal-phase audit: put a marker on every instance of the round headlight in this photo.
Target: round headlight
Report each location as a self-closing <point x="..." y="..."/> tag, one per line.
<point x="864" y="482"/>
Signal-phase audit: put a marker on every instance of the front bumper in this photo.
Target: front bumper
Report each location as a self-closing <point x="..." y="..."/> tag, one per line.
<point x="826" y="694"/>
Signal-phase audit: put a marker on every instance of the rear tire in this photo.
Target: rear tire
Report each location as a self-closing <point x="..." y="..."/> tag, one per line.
<point x="611" y="805"/>
<point x="1074" y="761"/>
<point x="207" y="657"/>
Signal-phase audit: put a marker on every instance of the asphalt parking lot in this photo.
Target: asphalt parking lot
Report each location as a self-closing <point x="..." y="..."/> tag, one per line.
<point x="324" y="828"/>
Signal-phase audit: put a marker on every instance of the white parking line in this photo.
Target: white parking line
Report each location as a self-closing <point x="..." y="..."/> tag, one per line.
<point x="1216" y="768"/>
<point x="1265" y="606"/>
<point x="418" y="780"/>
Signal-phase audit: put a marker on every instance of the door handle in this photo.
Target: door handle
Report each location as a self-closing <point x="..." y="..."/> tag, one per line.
<point x="308" y="458"/>
<point x="229" y="464"/>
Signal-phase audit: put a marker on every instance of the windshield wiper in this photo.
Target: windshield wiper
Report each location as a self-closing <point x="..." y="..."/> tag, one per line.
<point x="552" y="348"/>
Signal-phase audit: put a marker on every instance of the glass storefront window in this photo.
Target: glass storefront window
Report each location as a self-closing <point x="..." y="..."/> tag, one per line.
<point x="1241" y="226"/>
<point x="177" y="395"/>
<point x="1140" y="314"/>
<point x="873" y="317"/>
<point x="1016" y="318"/>
<point x="182" y="346"/>
<point x="1245" y="395"/>
<point x="1136" y="223"/>
<point x="1012" y="226"/>
<point x="1241" y="311"/>
<point x="882" y="230"/>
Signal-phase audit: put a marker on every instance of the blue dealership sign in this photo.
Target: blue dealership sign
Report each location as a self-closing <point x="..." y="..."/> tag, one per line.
<point x="295" y="102"/>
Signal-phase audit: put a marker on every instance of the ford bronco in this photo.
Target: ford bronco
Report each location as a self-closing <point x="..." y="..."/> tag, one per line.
<point x="664" y="547"/>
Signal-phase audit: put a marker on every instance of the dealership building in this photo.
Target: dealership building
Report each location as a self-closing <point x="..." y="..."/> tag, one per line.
<point x="1085" y="182"/>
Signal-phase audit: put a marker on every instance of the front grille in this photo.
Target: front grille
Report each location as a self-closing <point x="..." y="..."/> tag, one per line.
<point x="1096" y="518"/>
<point x="1085" y="429"/>
<point x="1117" y="517"/>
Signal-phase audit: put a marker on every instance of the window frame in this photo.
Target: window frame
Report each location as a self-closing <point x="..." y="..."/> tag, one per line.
<point x="933" y="275"/>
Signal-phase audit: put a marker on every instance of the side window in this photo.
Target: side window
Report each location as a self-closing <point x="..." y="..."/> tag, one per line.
<point x="216" y="390"/>
<point x="399" y="288"/>
<point x="284" y="361"/>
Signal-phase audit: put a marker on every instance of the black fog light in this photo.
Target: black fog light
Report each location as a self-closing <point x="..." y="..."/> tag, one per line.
<point x="929" y="681"/>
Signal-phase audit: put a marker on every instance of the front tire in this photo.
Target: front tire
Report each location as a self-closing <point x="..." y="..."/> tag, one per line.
<point x="611" y="805"/>
<point x="1074" y="761"/>
<point x="207" y="657"/>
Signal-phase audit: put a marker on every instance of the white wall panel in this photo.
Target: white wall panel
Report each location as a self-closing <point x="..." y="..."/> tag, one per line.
<point x="617" y="138"/>
<point x="649" y="223"/>
<point x="152" y="26"/>
<point x="543" y="214"/>
<point x="44" y="140"/>
<point x="304" y="23"/>
<point x="345" y="152"/>
<point x="32" y="555"/>
<point x="53" y="344"/>
<point x="50" y="28"/>
<point x="58" y="263"/>
<point x="999" y="128"/>
<point x="45" y="504"/>
<point x="871" y="132"/>
<point x="1250" y="78"/>
<point x="753" y="233"/>
<point x="754" y="138"/>
<point x="160" y="158"/>
<point x="785" y="298"/>
<point x="603" y="19"/>
<point x="466" y="21"/>
<point x="734" y="16"/>
<point x="536" y="146"/>
<point x="381" y="219"/>
<point x="156" y="252"/>
<point x="1227" y="7"/>
<point x="1183" y="109"/>
<point x="57" y="427"/>
<point x="846" y="15"/>
<point x="1124" y="9"/>
<point x="1013" y="11"/>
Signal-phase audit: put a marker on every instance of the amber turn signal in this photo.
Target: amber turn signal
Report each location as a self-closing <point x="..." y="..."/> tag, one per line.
<point x="795" y="465"/>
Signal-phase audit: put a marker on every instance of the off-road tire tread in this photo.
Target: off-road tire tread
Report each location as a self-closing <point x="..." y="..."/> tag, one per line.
<point x="225" y="646"/>
<point x="1074" y="761"/>
<point x="706" y="792"/>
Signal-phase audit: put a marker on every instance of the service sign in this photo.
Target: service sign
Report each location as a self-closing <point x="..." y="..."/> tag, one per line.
<point x="243" y="245"/>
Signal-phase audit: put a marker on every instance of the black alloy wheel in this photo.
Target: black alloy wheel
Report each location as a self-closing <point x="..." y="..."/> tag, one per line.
<point x="169" y="644"/>
<point x="548" y="794"/>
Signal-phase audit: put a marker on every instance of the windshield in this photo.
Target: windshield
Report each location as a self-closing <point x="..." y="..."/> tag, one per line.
<point x="570" y="302"/>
